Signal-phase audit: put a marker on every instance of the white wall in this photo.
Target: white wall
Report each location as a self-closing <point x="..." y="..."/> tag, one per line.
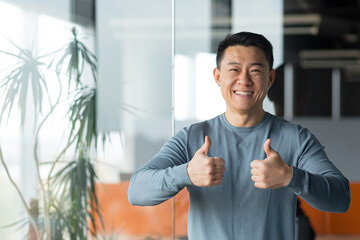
<point x="341" y="140"/>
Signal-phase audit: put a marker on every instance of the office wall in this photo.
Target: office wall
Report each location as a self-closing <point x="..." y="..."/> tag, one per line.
<point x="341" y="140"/>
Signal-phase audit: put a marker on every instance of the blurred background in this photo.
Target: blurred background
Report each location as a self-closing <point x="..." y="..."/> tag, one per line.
<point x="154" y="76"/>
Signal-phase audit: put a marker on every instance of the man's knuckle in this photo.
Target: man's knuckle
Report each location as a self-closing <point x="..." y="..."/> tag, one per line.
<point x="208" y="170"/>
<point x="208" y="162"/>
<point x="262" y="179"/>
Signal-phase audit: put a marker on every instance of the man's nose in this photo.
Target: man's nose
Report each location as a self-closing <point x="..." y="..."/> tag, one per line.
<point x="244" y="78"/>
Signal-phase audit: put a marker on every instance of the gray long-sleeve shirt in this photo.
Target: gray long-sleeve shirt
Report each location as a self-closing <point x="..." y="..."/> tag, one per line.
<point x="236" y="209"/>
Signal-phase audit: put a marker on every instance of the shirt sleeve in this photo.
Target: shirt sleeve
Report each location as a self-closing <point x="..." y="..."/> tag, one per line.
<point x="316" y="180"/>
<point x="163" y="176"/>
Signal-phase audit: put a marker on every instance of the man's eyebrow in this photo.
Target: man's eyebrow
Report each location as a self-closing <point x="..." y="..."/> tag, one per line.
<point x="252" y="64"/>
<point x="258" y="64"/>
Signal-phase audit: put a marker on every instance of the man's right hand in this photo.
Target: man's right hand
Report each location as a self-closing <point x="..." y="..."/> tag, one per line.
<point x="205" y="171"/>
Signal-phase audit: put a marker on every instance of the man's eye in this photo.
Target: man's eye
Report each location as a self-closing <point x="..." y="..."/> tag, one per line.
<point x="234" y="69"/>
<point x="255" y="70"/>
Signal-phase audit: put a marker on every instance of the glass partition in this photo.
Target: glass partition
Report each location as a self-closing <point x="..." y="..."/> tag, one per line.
<point x="135" y="106"/>
<point x="135" y="90"/>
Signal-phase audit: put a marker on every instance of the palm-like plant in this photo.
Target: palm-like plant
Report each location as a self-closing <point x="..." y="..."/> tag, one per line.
<point x="27" y="73"/>
<point x="79" y="176"/>
<point x="69" y="198"/>
<point x="82" y="115"/>
<point x="75" y="56"/>
<point x="80" y="199"/>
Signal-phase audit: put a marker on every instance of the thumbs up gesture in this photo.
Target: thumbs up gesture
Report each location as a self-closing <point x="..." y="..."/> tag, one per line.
<point x="203" y="170"/>
<point x="272" y="172"/>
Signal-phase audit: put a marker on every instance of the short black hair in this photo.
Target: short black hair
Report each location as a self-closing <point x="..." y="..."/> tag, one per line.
<point x="246" y="39"/>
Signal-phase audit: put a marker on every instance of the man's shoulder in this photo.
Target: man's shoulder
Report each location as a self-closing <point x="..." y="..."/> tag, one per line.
<point x="275" y="120"/>
<point x="202" y="126"/>
<point x="288" y="127"/>
<point x="206" y="124"/>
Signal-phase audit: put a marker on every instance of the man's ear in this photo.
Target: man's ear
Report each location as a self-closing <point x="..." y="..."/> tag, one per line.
<point x="271" y="78"/>
<point x="216" y="73"/>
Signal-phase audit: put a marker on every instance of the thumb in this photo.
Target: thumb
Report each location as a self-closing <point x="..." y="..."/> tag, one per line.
<point x="267" y="148"/>
<point x="206" y="146"/>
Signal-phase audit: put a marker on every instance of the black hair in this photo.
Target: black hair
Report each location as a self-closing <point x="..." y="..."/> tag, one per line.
<point x="245" y="39"/>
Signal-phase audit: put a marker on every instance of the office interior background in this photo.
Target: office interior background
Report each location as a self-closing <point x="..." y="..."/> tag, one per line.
<point x="155" y="63"/>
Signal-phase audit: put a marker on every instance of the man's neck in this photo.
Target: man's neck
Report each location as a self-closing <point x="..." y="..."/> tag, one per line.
<point x="244" y="119"/>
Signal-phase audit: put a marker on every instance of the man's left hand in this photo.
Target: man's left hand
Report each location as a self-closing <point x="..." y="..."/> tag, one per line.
<point x="272" y="172"/>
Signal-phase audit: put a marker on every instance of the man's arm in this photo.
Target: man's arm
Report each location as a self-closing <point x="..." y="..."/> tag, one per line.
<point x="315" y="179"/>
<point x="163" y="176"/>
<point x="322" y="186"/>
<point x="168" y="172"/>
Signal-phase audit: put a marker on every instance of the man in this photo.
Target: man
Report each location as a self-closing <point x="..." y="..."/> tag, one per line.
<point x="243" y="169"/>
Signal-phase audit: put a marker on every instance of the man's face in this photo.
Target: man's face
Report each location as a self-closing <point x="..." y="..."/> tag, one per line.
<point x="244" y="77"/>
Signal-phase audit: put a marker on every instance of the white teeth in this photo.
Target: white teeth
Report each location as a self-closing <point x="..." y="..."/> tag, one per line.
<point x="242" y="93"/>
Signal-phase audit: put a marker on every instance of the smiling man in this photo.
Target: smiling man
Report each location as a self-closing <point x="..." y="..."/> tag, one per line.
<point x="245" y="168"/>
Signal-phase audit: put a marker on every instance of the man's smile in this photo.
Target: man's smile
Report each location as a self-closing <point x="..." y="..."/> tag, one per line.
<point x="243" y="93"/>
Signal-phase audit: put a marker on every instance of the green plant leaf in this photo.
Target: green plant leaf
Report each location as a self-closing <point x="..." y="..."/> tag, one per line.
<point x="82" y="116"/>
<point x="74" y="58"/>
<point x="77" y="182"/>
<point x="26" y="75"/>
